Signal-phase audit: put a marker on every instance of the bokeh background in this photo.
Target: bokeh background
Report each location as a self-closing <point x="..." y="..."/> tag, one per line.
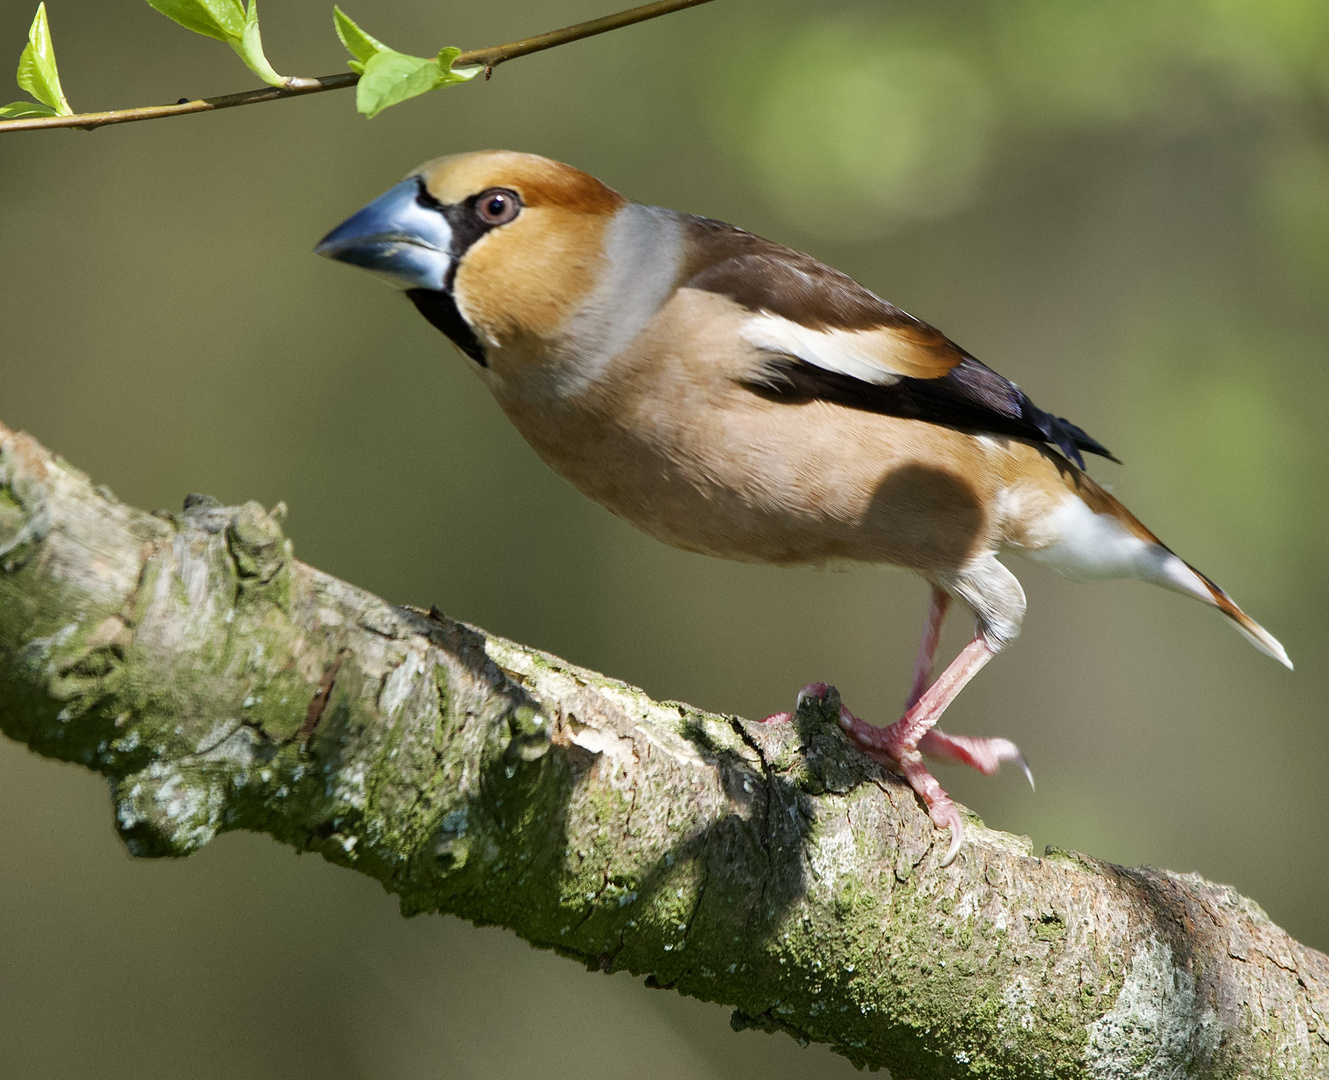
<point x="1124" y="206"/>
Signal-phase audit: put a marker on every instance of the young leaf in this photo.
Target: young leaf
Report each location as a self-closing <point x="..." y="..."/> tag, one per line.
<point x="250" y="49"/>
<point x="37" y="72"/>
<point x="22" y="110"/>
<point x="387" y="76"/>
<point x="357" y="42"/>
<point x="228" y="21"/>
<point x="391" y="77"/>
<point x="220" y="19"/>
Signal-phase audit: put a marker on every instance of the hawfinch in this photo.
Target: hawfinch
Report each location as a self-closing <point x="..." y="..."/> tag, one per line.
<point x="732" y="396"/>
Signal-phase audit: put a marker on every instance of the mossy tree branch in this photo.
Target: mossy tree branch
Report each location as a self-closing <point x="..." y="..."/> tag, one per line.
<point x="220" y="684"/>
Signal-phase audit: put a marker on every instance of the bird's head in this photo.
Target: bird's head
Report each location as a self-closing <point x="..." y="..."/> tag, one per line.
<point x="494" y="247"/>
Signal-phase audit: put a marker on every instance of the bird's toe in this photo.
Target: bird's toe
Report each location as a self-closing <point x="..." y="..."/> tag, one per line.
<point x="983" y="754"/>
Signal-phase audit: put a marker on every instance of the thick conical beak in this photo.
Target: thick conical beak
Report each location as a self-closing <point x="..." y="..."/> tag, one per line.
<point x="398" y="237"/>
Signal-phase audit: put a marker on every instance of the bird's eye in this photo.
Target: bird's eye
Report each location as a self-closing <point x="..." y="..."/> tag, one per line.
<point x="497" y="206"/>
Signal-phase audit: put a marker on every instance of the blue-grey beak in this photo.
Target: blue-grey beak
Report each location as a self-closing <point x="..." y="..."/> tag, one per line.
<point x="397" y="237"/>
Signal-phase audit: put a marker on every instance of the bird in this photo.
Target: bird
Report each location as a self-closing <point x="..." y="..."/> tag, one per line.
<point x="729" y="395"/>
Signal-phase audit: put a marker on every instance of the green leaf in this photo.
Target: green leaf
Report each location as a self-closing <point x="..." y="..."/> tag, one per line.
<point x="357" y="42"/>
<point x="250" y="49"/>
<point x="37" y="72"/>
<point x="220" y="19"/>
<point x="228" y="21"/>
<point x="23" y="110"/>
<point x="387" y="76"/>
<point x="391" y="77"/>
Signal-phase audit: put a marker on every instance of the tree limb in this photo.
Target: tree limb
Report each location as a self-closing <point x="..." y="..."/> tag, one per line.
<point x="489" y="58"/>
<point x="220" y="684"/>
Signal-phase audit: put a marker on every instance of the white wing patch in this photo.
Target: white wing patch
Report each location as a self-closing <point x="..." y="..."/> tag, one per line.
<point x="857" y="353"/>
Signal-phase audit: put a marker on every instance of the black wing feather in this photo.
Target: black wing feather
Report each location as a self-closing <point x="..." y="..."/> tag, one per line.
<point x="971" y="396"/>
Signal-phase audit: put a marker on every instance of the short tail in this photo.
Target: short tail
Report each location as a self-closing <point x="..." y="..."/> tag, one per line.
<point x="1118" y="545"/>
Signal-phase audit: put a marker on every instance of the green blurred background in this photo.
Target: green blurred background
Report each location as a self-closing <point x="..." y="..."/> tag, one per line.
<point x="1123" y="206"/>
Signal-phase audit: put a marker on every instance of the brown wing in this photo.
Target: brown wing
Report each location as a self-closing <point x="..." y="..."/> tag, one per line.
<point x="828" y="337"/>
<point x="766" y="277"/>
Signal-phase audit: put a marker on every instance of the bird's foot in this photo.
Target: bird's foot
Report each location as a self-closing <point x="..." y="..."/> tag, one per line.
<point x="813" y="689"/>
<point x="983" y="754"/>
<point x="891" y="747"/>
<point x="901" y="746"/>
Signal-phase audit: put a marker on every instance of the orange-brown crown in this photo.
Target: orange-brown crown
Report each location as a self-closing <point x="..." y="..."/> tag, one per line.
<point x="523" y="279"/>
<point x="538" y="180"/>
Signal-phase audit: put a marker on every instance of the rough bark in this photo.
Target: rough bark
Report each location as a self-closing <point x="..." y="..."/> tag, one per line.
<point x="220" y="684"/>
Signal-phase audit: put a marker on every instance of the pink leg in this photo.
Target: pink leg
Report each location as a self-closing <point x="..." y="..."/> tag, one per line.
<point x="985" y="755"/>
<point x="927" y="647"/>
<point x="897" y="746"/>
<point x="902" y="745"/>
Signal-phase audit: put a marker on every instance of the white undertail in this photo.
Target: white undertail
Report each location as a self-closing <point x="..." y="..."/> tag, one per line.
<point x="1096" y="546"/>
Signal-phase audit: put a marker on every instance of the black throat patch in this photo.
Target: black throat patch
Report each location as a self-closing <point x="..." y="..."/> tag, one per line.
<point x="441" y="310"/>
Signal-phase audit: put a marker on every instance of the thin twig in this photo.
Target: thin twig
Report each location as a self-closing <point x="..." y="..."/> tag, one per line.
<point x="491" y="58"/>
<point x="297" y="87"/>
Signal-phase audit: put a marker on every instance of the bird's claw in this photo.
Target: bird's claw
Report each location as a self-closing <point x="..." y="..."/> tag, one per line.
<point x="812" y="690"/>
<point x="945" y="815"/>
<point x="817" y="690"/>
<point x="1028" y="773"/>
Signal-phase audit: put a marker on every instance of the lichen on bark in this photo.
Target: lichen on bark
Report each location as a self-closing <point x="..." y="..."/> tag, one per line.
<point x="221" y="684"/>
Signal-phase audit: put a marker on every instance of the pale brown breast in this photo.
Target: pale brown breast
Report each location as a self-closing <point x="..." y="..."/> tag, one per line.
<point x="672" y="440"/>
